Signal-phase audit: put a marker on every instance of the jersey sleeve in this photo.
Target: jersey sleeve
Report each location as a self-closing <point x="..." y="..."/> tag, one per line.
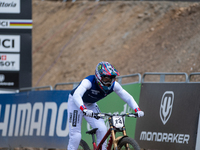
<point x="125" y="96"/>
<point x="81" y="89"/>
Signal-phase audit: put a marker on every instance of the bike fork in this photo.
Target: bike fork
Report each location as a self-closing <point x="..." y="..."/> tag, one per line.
<point x="113" y="137"/>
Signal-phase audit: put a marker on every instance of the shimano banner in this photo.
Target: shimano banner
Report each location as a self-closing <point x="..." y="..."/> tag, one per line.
<point x="171" y="116"/>
<point x="34" y="119"/>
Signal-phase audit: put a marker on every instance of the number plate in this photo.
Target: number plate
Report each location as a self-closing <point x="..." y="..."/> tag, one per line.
<point x="118" y="121"/>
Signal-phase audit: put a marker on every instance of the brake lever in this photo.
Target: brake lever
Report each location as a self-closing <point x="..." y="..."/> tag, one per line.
<point x="98" y="115"/>
<point x="133" y="115"/>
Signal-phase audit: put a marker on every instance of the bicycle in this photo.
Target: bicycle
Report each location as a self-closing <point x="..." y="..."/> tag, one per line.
<point x="117" y="124"/>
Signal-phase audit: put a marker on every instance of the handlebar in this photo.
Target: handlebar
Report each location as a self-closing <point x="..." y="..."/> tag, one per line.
<point x="99" y="115"/>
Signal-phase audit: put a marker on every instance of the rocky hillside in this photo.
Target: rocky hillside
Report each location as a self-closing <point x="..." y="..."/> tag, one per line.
<point x="69" y="39"/>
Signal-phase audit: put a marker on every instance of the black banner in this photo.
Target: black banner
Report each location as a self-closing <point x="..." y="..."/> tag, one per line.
<point x="16" y="41"/>
<point x="10" y="80"/>
<point x="171" y="116"/>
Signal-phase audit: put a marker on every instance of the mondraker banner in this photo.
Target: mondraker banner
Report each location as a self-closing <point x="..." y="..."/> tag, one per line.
<point x="171" y="116"/>
<point x="34" y="119"/>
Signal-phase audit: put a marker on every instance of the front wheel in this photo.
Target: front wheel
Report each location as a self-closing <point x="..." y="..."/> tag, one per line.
<point x="83" y="145"/>
<point x="128" y="143"/>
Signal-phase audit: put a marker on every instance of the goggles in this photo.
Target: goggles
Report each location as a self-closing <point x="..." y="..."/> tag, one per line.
<point x="110" y="77"/>
<point x="107" y="80"/>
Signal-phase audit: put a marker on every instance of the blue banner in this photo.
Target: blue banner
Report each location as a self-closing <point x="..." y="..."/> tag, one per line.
<point x="34" y="119"/>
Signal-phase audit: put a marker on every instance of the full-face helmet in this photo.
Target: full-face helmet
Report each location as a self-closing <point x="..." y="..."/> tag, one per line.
<point x="105" y="75"/>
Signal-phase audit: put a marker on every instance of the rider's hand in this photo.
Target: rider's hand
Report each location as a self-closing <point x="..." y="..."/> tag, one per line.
<point x="88" y="112"/>
<point x="139" y="112"/>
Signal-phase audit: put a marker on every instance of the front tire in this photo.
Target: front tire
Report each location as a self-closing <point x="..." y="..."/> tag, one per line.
<point x="83" y="145"/>
<point x="127" y="141"/>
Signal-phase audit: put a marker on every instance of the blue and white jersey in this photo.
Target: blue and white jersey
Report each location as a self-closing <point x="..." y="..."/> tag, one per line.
<point x="93" y="94"/>
<point x="89" y="92"/>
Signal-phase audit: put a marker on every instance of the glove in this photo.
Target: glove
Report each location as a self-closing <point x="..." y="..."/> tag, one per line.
<point x="139" y="112"/>
<point x="88" y="112"/>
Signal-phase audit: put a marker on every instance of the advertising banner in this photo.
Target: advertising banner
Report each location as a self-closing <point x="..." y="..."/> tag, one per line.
<point x="10" y="6"/>
<point x="34" y="119"/>
<point x="39" y="118"/>
<point x="15" y="24"/>
<point x="15" y="9"/>
<point x="9" y="80"/>
<point x="15" y="56"/>
<point x="16" y="42"/>
<point x="171" y="116"/>
<point x="10" y="43"/>
<point x="114" y="104"/>
<point x="9" y="62"/>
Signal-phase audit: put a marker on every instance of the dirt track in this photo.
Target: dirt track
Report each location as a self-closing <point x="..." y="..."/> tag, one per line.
<point x="69" y="39"/>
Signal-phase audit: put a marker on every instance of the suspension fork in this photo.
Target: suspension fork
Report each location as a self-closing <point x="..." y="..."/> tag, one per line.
<point x="116" y="140"/>
<point x="124" y="133"/>
<point x="113" y="137"/>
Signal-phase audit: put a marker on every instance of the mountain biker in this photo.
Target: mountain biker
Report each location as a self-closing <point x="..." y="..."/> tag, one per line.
<point x="82" y="102"/>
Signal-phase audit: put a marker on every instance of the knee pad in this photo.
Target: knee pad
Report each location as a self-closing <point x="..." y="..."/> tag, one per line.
<point x="74" y="139"/>
<point x="101" y="131"/>
<point x="75" y="135"/>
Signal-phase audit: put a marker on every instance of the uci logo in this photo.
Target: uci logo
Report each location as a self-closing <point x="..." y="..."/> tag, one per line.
<point x="3" y="23"/>
<point x="9" y="43"/>
<point x="166" y="106"/>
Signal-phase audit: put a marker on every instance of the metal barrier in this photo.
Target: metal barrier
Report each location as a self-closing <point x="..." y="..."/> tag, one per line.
<point x="163" y="75"/>
<point x="68" y="83"/>
<point x="34" y="88"/>
<point x="193" y="74"/>
<point x="119" y="79"/>
<point x="5" y="91"/>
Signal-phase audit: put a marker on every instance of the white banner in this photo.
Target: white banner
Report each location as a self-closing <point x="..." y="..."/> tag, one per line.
<point x="9" y="62"/>
<point x="9" y="43"/>
<point x="10" y="6"/>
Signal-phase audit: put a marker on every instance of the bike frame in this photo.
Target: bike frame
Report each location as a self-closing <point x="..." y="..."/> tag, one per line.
<point x="113" y="140"/>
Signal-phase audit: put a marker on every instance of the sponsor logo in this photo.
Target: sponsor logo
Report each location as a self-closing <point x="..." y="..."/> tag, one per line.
<point x="95" y="92"/>
<point x="3" y="57"/>
<point x="165" y="137"/>
<point x="2" y="77"/>
<point x="75" y="114"/>
<point x="10" y="6"/>
<point x="4" y="24"/>
<point x="166" y="106"/>
<point x="70" y="117"/>
<point x="27" y="119"/>
<point x="9" y="43"/>
<point x="9" y="62"/>
<point x="15" y="24"/>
